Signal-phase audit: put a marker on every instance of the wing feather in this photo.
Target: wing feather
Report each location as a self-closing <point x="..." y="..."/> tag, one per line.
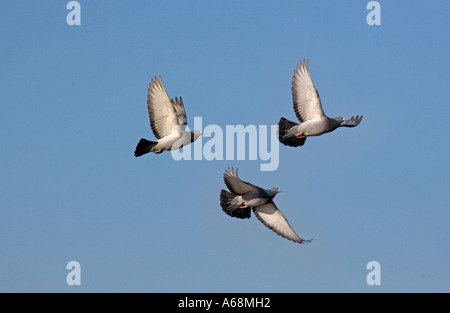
<point x="179" y="110"/>
<point x="236" y="185"/>
<point x="353" y="122"/>
<point x="163" y="116"/>
<point x="270" y="216"/>
<point x="306" y="100"/>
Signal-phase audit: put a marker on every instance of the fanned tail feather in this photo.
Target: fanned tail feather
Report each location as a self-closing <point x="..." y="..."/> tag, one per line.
<point x="230" y="208"/>
<point x="144" y="146"/>
<point x="288" y="140"/>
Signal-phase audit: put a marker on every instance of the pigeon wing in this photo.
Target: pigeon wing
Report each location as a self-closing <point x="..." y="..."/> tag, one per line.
<point x="179" y="110"/>
<point x="163" y="117"/>
<point x="270" y="216"/>
<point x="306" y="100"/>
<point x="236" y="185"/>
<point x="353" y="122"/>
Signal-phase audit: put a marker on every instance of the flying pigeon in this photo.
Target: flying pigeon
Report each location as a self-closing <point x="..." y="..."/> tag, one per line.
<point x="308" y="108"/>
<point x="245" y="197"/>
<point x="167" y="120"/>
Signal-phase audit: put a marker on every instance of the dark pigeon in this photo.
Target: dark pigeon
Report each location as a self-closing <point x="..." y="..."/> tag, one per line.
<point x="244" y="197"/>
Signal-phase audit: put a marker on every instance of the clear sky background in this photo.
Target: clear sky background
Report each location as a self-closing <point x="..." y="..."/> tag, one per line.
<point x="73" y="107"/>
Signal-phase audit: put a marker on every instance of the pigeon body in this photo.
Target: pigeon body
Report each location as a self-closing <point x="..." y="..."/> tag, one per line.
<point x="167" y="121"/>
<point x="309" y="111"/>
<point x="243" y="198"/>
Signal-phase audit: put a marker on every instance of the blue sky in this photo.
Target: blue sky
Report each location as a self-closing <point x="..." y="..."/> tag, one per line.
<point x="73" y="107"/>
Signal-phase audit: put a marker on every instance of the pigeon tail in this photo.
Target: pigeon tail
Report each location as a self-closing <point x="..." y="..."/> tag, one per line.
<point x="283" y="127"/>
<point x="230" y="208"/>
<point x="144" y="146"/>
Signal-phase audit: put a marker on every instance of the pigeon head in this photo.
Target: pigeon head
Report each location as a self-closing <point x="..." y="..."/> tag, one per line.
<point x="335" y="122"/>
<point x="272" y="192"/>
<point x="195" y="134"/>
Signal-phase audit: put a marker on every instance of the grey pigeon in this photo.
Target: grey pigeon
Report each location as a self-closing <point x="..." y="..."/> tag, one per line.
<point x="167" y="120"/>
<point x="245" y="197"/>
<point x="308" y="109"/>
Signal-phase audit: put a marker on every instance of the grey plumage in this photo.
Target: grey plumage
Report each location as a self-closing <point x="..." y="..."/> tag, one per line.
<point x="309" y="111"/>
<point x="352" y="122"/>
<point x="244" y="197"/>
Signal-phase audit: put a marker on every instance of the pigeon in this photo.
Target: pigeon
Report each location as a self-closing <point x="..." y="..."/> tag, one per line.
<point x="245" y="197"/>
<point x="167" y="120"/>
<point x="308" y="109"/>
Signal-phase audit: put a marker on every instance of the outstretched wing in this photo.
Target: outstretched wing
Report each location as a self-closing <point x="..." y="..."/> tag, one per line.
<point x="270" y="216"/>
<point x="236" y="185"/>
<point x="305" y="97"/>
<point x="354" y="121"/>
<point x="162" y="113"/>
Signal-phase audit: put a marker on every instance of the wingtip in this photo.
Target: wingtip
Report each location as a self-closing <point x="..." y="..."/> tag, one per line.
<point x="231" y="171"/>
<point x="304" y="63"/>
<point x="156" y="80"/>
